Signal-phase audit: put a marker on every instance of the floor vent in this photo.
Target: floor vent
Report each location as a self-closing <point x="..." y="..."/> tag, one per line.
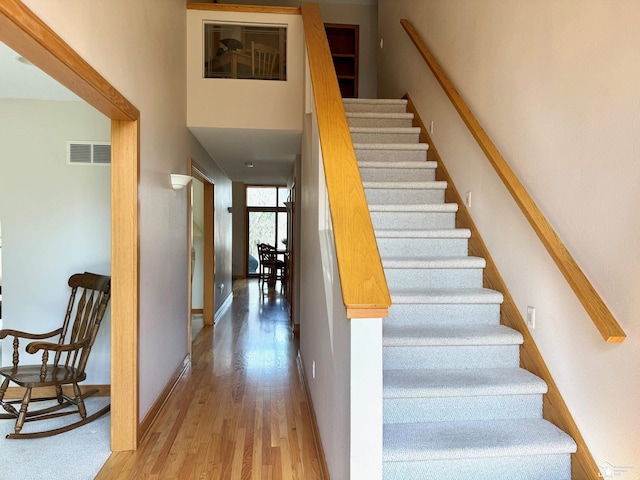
<point x="88" y="153"/>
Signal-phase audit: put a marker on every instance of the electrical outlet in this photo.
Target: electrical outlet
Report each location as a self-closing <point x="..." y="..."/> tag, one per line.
<point x="313" y="369"/>
<point x="467" y="201"/>
<point x="531" y="317"/>
<point x="431" y="127"/>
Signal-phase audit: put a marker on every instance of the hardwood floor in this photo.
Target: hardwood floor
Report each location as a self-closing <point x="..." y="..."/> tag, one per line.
<point x="240" y="412"/>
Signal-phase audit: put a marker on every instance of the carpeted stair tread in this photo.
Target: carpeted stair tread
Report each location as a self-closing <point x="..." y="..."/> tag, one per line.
<point x="450" y="335"/>
<point x="435" y="233"/>
<point x="385" y="130"/>
<point x="434" y="207"/>
<point x="433" y="262"/>
<point x="438" y="185"/>
<point x="391" y="146"/>
<point x="399" y="165"/>
<point x="461" y="382"/>
<point x="456" y="404"/>
<point x="386" y="115"/>
<point x="447" y="296"/>
<point x="410" y="442"/>
<point x="376" y="101"/>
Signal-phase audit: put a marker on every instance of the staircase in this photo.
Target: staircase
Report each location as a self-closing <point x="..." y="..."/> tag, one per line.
<point x="456" y="403"/>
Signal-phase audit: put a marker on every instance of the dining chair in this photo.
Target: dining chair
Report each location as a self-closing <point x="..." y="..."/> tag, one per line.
<point x="263" y="61"/>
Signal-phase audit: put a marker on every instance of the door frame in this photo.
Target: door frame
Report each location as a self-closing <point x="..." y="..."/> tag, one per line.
<point x="26" y="34"/>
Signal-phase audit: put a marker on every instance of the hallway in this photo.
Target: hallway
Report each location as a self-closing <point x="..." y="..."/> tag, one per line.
<point x="239" y="412"/>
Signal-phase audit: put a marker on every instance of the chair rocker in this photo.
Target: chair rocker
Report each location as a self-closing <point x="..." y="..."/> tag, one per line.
<point x="90" y="295"/>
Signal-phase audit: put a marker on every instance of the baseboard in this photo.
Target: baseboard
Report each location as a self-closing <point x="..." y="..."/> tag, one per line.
<point x="18" y="392"/>
<point x="554" y="409"/>
<point x="322" y="460"/>
<point x="150" y="417"/>
<point x="223" y="308"/>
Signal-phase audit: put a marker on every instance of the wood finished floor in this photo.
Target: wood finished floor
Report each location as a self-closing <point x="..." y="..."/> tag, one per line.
<point x="240" y="411"/>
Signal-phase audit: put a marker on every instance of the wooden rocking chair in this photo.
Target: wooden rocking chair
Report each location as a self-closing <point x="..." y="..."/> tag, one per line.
<point x="71" y="349"/>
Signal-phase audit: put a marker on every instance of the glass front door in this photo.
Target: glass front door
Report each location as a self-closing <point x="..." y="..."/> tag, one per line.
<point x="267" y="222"/>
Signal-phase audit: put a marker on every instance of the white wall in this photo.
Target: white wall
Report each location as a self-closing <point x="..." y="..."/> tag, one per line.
<point x="555" y="84"/>
<point x="56" y="218"/>
<point x="248" y="104"/>
<point x="140" y="48"/>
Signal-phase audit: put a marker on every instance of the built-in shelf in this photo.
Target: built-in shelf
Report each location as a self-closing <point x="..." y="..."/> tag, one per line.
<point x="343" y="43"/>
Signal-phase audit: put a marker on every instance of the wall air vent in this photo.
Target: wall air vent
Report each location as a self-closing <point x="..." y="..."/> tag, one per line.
<point x="88" y="153"/>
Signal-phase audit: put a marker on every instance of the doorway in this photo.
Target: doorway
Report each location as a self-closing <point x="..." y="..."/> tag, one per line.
<point x="201" y="213"/>
<point x="26" y="34"/>
<point x="267" y="221"/>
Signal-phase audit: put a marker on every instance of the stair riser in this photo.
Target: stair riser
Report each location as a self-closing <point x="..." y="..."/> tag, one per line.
<point x="380" y="122"/>
<point x="413" y="220"/>
<point x="377" y="155"/>
<point x="443" y="314"/>
<point x="421" y="278"/>
<point x="492" y="356"/>
<point x="404" y="196"/>
<point x="398" y="174"/>
<point x="451" y="409"/>
<point x="375" y="107"/>
<point x="384" y="137"/>
<point x="423" y="247"/>
<point x="533" y="467"/>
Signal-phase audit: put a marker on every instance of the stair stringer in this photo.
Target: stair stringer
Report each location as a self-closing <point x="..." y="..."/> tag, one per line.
<point x="555" y="410"/>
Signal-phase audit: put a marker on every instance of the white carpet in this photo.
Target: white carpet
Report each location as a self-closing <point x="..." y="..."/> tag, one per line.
<point x="78" y="454"/>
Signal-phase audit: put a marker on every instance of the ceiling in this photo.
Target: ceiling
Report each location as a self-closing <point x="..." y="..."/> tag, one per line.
<point x="23" y="80"/>
<point x="271" y="152"/>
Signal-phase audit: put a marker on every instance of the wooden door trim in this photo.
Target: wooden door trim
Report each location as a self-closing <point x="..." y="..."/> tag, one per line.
<point x="25" y="33"/>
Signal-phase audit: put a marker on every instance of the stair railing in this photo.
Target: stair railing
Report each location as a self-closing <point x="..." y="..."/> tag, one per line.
<point x="364" y="287"/>
<point x="601" y="316"/>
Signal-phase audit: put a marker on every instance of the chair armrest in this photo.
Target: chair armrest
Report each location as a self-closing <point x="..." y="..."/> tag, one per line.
<point x="33" y="347"/>
<point x="31" y="336"/>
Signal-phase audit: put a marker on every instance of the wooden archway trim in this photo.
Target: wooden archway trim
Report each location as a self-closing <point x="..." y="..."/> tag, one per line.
<point x="25" y="33"/>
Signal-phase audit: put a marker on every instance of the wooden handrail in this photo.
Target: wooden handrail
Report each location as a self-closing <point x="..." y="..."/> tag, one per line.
<point x="364" y="287"/>
<point x="602" y="318"/>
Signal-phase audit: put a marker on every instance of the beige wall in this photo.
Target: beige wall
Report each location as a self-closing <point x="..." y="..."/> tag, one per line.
<point x="249" y="104"/>
<point x="222" y="226"/>
<point x="366" y="16"/>
<point x="140" y="47"/>
<point x="363" y="13"/>
<point x="555" y="84"/>
<point x="324" y="329"/>
<point x="239" y="230"/>
<point x="197" y="276"/>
